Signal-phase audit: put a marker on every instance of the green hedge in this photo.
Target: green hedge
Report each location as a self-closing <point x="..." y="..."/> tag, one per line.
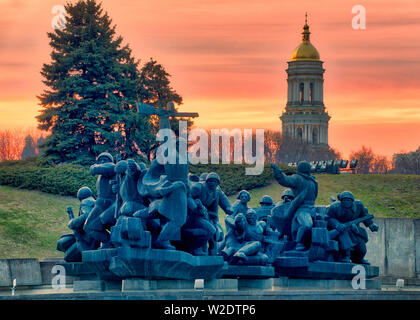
<point x="66" y="179"/>
<point x="233" y="178"/>
<point x="33" y="174"/>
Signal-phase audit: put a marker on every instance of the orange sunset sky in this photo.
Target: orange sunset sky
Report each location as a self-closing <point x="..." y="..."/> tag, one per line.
<point x="228" y="58"/>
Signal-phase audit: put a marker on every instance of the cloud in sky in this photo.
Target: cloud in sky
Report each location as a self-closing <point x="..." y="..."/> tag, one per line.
<point x="228" y="58"/>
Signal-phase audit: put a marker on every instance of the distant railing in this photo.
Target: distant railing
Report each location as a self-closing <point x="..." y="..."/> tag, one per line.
<point x="331" y="166"/>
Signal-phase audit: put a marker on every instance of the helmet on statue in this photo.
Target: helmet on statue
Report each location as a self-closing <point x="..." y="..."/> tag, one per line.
<point x="105" y="155"/>
<point x="266" y="200"/>
<point x="345" y="195"/>
<point x="287" y="193"/>
<point x="83" y="193"/>
<point x="304" y="167"/>
<point x="213" y="175"/>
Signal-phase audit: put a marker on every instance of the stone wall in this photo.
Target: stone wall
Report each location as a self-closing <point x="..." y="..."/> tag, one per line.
<point x="395" y="248"/>
<point x="28" y="272"/>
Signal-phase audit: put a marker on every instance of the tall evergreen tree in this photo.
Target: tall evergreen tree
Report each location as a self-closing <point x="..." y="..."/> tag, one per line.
<point x="92" y="85"/>
<point x="156" y="89"/>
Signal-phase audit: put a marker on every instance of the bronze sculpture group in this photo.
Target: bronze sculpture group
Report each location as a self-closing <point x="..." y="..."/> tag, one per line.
<point x="165" y="207"/>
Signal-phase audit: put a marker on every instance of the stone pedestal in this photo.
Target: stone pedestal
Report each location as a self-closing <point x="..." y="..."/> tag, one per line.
<point x="79" y="270"/>
<point x="138" y="284"/>
<point x="255" y="284"/>
<point x="284" y="283"/>
<point x="221" y="284"/>
<point x="150" y="263"/>
<point x="250" y="277"/>
<point x="300" y="267"/>
<point x="99" y="261"/>
<point x="88" y="285"/>
<point x="96" y="285"/>
<point x="247" y="272"/>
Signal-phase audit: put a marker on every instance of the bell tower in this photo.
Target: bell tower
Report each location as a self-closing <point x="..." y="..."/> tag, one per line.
<point x="305" y="116"/>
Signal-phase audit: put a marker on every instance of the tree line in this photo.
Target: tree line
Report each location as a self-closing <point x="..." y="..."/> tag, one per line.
<point x="406" y="163"/>
<point x="286" y="150"/>
<point x="401" y="163"/>
<point x="20" y="144"/>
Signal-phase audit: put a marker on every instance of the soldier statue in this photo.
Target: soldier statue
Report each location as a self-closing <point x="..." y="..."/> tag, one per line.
<point x="287" y="196"/>
<point x="212" y="196"/>
<point x="241" y="204"/>
<point x="166" y="189"/>
<point x="198" y="230"/>
<point x="351" y="237"/>
<point x="302" y="208"/>
<point x="131" y="201"/>
<point x="73" y="244"/>
<point x="102" y="216"/>
<point x="279" y="219"/>
<point x="264" y="210"/>
<point x="243" y="240"/>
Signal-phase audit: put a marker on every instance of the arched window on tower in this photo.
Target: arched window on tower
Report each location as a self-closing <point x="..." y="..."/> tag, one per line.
<point x="315" y="136"/>
<point x="311" y="93"/>
<point x="299" y="133"/>
<point x="301" y="97"/>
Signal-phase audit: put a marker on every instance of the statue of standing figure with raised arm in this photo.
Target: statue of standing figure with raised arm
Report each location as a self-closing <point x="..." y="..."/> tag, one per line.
<point x="305" y="188"/>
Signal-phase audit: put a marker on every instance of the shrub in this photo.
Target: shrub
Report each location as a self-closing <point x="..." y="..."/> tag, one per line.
<point x="35" y="175"/>
<point x="66" y="179"/>
<point x="233" y="178"/>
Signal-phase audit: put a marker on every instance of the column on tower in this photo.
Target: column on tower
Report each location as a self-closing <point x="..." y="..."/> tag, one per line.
<point x="307" y="129"/>
<point x="291" y="90"/>
<point x="306" y="84"/>
<point x="317" y="90"/>
<point x="321" y="133"/>
<point x="324" y="134"/>
<point x="297" y="89"/>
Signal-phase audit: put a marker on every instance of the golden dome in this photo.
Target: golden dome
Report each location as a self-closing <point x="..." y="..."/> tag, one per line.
<point x="305" y="51"/>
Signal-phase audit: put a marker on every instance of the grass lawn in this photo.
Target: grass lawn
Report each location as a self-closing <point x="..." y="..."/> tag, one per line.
<point x="32" y="221"/>
<point x="383" y="195"/>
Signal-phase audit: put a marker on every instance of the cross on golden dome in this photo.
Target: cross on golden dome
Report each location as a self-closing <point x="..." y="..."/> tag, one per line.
<point x="305" y="51"/>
